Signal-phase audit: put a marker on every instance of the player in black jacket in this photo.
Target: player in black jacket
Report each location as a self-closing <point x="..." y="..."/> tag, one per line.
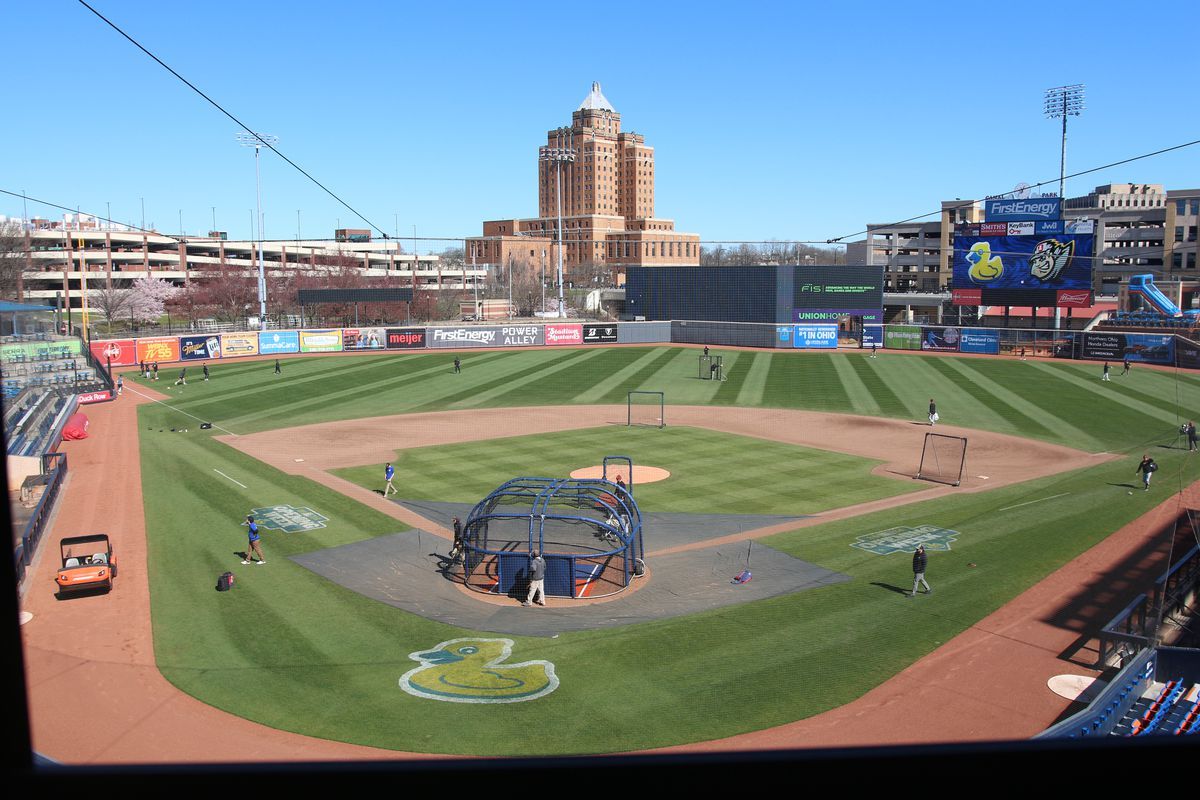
<point x="919" y="562"/>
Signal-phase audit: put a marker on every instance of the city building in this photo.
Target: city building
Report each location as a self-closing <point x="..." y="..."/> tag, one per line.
<point x="66" y="256"/>
<point x="1179" y="228"/>
<point x="606" y="202"/>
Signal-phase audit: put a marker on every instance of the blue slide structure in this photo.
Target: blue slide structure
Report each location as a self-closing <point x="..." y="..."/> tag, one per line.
<point x="1143" y="286"/>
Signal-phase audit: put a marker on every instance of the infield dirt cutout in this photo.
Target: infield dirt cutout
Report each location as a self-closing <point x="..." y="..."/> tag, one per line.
<point x="641" y="474"/>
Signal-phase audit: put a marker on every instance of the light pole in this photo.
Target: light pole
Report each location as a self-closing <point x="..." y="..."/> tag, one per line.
<point x="475" y="283"/>
<point x="543" y="281"/>
<point x="558" y="156"/>
<point x="1064" y="101"/>
<point x="257" y="140"/>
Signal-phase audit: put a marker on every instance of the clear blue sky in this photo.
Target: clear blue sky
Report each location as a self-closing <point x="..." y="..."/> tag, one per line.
<point x="770" y="120"/>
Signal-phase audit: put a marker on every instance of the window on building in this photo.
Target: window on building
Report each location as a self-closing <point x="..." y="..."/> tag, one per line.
<point x="1176" y="260"/>
<point x="1195" y="206"/>
<point x="1191" y="233"/>
<point x="1180" y="206"/>
<point x="1179" y="233"/>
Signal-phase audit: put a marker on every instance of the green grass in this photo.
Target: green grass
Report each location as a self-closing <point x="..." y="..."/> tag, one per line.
<point x="294" y="651"/>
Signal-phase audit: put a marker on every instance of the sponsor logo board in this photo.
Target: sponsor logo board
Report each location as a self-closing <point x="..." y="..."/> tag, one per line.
<point x="462" y="337"/>
<point x="993" y="229"/>
<point x="320" y="341"/>
<point x="195" y="348"/>
<point x="869" y="315"/>
<point x="943" y="339"/>
<point x="1073" y="298"/>
<point x="405" y="338"/>
<point x="872" y="335"/>
<point x="521" y="335"/>
<point x="1017" y="210"/>
<point x="120" y="352"/>
<point x="1020" y="229"/>
<point x="239" y="344"/>
<point x="602" y="333"/>
<point x="967" y="297"/>
<point x="902" y="337"/>
<point x="979" y="340"/>
<point x="1144" y="347"/>
<point x="95" y="397"/>
<point x="363" y="338"/>
<point x="564" y="334"/>
<point x="1048" y="228"/>
<point x="273" y="342"/>
<point x="1080" y="226"/>
<point x="823" y="337"/>
<point x="164" y="348"/>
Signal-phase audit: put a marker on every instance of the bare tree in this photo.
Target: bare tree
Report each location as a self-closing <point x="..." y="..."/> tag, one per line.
<point x="112" y="303"/>
<point x="14" y="260"/>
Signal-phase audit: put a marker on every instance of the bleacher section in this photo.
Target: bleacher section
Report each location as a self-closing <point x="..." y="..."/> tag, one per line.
<point x="34" y="420"/>
<point x="1149" y="320"/>
<point x="48" y="364"/>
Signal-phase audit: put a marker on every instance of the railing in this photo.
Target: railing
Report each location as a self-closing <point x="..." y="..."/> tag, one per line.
<point x="54" y="469"/>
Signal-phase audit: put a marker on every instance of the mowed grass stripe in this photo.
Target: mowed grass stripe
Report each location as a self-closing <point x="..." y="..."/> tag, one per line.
<point x="637" y="381"/>
<point x="802" y="380"/>
<point x="1129" y="399"/>
<point x="1021" y="413"/>
<point x="600" y="389"/>
<point x="915" y="380"/>
<point x="734" y="371"/>
<point x="750" y="393"/>
<point x="861" y="400"/>
<point x="870" y="373"/>
<point x="570" y="359"/>
<point x="482" y="375"/>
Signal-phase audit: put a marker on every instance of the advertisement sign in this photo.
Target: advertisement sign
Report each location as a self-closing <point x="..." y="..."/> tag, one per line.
<point x="405" y="338"/>
<point x="945" y="339"/>
<point x="599" y="333"/>
<point x="1073" y="298"/>
<point x="239" y="344"/>
<point x="872" y="335"/>
<point x="95" y="397"/>
<point x="462" y="337"/>
<point x="273" y="342"/>
<point x="564" y="334"/>
<point x="1047" y="228"/>
<point x="1043" y="208"/>
<point x="363" y="338"/>
<point x="823" y="337"/>
<point x="121" y="352"/>
<point x="1020" y="229"/>
<point x="990" y="229"/>
<point x="967" y="297"/>
<point x="979" y="340"/>
<point x="195" y="348"/>
<point x="163" y="348"/>
<point x="802" y="315"/>
<point x="1080" y="226"/>
<point x="1151" y="348"/>
<point x="521" y="335"/>
<point x="320" y="341"/>
<point x="784" y="332"/>
<point x="1023" y="262"/>
<point x="830" y="290"/>
<point x="902" y="337"/>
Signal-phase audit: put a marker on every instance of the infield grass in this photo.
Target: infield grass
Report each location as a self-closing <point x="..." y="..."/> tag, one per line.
<point x="298" y="652"/>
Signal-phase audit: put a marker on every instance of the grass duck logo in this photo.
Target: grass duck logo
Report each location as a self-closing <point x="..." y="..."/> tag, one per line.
<point x="475" y="671"/>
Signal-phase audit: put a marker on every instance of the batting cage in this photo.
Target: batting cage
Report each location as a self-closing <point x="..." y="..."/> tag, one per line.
<point x="589" y="530"/>
<point x="943" y="458"/>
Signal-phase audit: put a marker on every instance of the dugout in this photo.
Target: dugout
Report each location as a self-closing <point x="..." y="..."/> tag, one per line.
<point x="588" y="530"/>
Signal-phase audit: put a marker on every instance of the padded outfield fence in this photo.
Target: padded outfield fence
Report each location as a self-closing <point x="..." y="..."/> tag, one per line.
<point x="588" y="530"/>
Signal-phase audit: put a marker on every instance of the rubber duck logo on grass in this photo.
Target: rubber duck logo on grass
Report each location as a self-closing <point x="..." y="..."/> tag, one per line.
<point x="985" y="267"/>
<point x="474" y="671"/>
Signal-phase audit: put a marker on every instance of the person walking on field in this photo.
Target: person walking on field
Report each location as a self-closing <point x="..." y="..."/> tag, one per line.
<point x="1190" y="430"/>
<point x="253" y="547"/>
<point x="204" y="367"/>
<point x="182" y="379"/>
<point x="537" y="579"/>
<point x="1105" y="377"/>
<point x="933" y="415"/>
<point x="277" y="369"/>
<point x="1147" y="467"/>
<point x="919" y="563"/>
<point x="154" y="366"/>
<point x="874" y="347"/>
<point x="457" y="365"/>
<point x="389" y="472"/>
<point x="120" y="384"/>
<point x="1125" y="371"/>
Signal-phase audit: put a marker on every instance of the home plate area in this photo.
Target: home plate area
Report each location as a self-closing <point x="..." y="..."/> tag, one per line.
<point x="408" y="570"/>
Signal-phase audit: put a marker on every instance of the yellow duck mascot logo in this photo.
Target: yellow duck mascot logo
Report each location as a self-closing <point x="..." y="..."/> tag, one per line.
<point x="985" y="267"/>
<point x="474" y="671"/>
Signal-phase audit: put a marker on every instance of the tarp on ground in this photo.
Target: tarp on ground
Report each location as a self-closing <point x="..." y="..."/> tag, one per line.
<point x="76" y="427"/>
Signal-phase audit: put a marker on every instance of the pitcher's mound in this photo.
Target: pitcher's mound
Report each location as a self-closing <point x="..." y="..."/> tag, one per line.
<point x="640" y="474"/>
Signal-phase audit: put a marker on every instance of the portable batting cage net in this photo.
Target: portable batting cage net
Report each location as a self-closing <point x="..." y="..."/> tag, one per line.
<point x="646" y="409"/>
<point x="712" y="368"/>
<point x="588" y="530"/>
<point x="942" y="459"/>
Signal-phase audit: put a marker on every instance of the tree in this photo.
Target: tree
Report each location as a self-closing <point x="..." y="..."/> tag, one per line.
<point x="224" y="296"/>
<point x="112" y="303"/>
<point x="14" y="259"/>
<point x="149" y="297"/>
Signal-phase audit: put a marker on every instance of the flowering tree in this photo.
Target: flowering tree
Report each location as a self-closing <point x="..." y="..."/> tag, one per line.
<point x="148" y="298"/>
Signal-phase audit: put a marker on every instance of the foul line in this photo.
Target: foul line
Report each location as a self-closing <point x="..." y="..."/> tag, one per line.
<point x="186" y="414"/>
<point x="1031" y="502"/>
<point x="223" y="475"/>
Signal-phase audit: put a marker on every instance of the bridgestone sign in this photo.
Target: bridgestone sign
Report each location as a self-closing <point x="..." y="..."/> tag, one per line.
<point x="487" y="336"/>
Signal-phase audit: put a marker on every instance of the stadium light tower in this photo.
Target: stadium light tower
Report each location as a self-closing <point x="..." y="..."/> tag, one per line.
<point x="257" y="140"/>
<point x="558" y="156"/>
<point x="1064" y="101"/>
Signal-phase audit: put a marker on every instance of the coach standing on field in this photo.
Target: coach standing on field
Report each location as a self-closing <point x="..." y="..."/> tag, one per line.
<point x="919" y="563"/>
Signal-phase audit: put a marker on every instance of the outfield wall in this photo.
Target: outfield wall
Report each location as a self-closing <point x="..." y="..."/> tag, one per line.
<point x="1167" y="349"/>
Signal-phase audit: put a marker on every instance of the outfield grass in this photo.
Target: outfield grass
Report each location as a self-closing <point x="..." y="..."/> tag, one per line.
<point x="294" y="651"/>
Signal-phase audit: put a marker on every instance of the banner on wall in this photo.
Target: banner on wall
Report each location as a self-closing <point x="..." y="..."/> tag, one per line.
<point x="195" y="348"/>
<point x="599" y="333"/>
<point x="120" y="352"/>
<point x="239" y="344"/>
<point x="1151" y="348"/>
<point x="943" y="339"/>
<point x="979" y="340"/>
<point x="272" y="342"/>
<point x="564" y="334"/>
<point x="405" y="338"/>
<point x="823" y="337"/>
<point x="872" y="335"/>
<point x="486" y="336"/>
<point x="363" y="338"/>
<point x="902" y="337"/>
<point x="161" y="348"/>
<point x="321" y="341"/>
<point x="521" y="335"/>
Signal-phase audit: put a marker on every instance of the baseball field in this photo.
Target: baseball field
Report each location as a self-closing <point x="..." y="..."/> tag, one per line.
<point x="816" y="451"/>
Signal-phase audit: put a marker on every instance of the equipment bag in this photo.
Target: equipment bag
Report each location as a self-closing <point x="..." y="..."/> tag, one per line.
<point x="225" y="582"/>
